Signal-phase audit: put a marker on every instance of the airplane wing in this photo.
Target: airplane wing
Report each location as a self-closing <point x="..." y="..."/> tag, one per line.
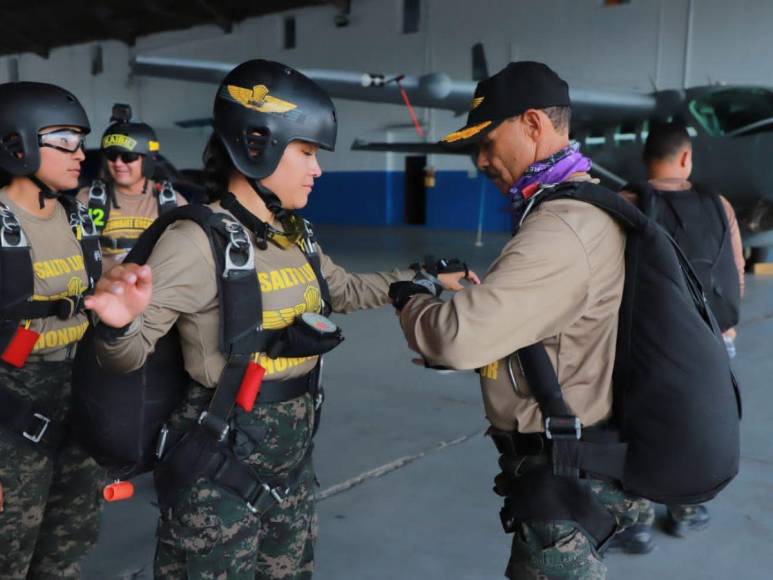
<point x="434" y="90"/>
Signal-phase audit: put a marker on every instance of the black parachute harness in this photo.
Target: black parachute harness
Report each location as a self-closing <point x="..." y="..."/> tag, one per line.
<point x="659" y="421"/>
<point x="102" y="198"/>
<point x="30" y="420"/>
<point x="207" y="448"/>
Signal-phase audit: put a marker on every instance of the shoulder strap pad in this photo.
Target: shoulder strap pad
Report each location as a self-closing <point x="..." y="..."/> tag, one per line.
<point x="87" y="233"/>
<point x="17" y="281"/>
<point x="309" y="247"/>
<point x="629" y="216"/>
<point x="199" y="214"/>
<point x="647" y="194"/>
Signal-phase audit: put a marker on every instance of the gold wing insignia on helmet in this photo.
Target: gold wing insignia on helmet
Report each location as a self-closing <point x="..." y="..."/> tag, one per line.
<point x="258" y="99"/>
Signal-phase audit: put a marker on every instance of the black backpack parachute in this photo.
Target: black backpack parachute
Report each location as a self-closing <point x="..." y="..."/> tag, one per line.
<point x="696" y="220"/>
<point x="119" y="417"/>
<point x="674" y="436"/>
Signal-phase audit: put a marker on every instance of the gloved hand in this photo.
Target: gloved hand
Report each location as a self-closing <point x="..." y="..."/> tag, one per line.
<point x="440" y="266"/>
<point x="401" y="292"/>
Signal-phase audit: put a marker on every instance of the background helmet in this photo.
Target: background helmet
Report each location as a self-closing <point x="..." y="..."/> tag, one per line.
<point x="261" y="106"/>
<point x="25" y="109"/>
<point x="123" y="135"/>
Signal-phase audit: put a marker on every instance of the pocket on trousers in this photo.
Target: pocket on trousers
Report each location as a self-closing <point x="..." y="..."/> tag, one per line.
<point x="571" y="553"/>
<point x="193" y="525"/>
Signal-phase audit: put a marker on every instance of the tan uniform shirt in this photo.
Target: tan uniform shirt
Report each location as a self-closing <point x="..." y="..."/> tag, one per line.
<point x="57" y="263"/>
<point x="560" y="281"/>
<point x="185" y="294"/>
<point x="732" y="221"/>
<point x="134" y="216"/>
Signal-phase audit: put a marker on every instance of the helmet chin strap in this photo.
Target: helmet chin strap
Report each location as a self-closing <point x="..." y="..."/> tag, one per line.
<point x="270" y="199"/>
<point x="45" y="191"/>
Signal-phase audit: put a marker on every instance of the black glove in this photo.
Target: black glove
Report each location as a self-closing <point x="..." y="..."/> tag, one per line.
<point x="401" y="292"/>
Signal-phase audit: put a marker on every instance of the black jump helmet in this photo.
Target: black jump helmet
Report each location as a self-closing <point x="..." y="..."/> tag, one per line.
<point x="260" y="107"/>
<point x="124" y="135"/>
<point x="25" y="109"/>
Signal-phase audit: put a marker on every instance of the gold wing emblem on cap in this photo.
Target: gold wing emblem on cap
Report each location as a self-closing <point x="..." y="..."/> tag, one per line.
<point x="258" y="99"/>
<point x="465" y="133"/>
<point x="476" y="103"/>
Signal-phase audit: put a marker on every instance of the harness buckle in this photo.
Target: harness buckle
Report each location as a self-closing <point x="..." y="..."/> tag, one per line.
<point x="41" y="429"/>
<point x="261" y="503"/>
<point x="98" y="192"/>
<point x="238" y="244"/>
<point x="215" y="425"/>
<point x="162" y="437"/>
<point x="166" y="194"/>
<point x="11" y="234"/>
<point x="562" y="427"/>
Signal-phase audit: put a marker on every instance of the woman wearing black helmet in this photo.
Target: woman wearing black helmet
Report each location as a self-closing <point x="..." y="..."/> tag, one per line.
<point x="49" y="259"/>
<point x="129" y="195"/>
<point x="235" y="483"/>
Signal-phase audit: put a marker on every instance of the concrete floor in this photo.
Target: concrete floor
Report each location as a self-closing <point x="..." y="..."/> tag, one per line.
<point x="406" y="474"/>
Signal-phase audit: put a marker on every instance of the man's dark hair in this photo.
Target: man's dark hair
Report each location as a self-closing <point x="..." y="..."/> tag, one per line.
<point x="664" y="140"/>
<point x="560" y="117"/>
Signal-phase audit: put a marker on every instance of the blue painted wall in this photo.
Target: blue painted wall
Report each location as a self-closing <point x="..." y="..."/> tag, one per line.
<point x="377" y="198"/>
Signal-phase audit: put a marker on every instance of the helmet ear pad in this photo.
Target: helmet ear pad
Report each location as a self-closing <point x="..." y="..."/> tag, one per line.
<point x="261" y="152"/>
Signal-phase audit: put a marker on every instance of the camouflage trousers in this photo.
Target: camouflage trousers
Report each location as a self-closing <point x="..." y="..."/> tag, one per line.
<point x="52" y="506"/>
<point x="677" y="512"/>
<point x="562" y="550"/>
<point x="211" y="534"/>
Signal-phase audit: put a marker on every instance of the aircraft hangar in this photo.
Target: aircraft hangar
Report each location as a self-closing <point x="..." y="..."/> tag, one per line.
<point x="404" y="466"/>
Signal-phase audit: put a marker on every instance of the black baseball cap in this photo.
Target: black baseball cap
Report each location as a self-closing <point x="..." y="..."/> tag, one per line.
<point x="517" y="87"/>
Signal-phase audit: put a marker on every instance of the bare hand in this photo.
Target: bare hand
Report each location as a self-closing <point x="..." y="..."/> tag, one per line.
<point x="452" y="280"/>
<point x="122" y="294"/>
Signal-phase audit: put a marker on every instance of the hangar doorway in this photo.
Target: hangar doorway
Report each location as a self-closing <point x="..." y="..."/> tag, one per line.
<point x="415" y="212"/>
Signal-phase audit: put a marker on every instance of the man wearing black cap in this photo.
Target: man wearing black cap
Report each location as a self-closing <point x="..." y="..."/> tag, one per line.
<point x="559" y="281"/>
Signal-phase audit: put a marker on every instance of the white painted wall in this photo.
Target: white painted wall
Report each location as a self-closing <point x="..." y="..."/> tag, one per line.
<point x="628" y="47"/>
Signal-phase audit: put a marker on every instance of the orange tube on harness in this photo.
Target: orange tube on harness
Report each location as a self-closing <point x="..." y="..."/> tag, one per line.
<point x="20" y="346"/>
<point x="250" y="387"/>
<point x="118" y="491"/>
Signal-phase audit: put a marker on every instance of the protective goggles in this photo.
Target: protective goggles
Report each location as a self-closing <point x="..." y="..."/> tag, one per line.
<point x="125" y="156"/>
<point x="64" y="140"/>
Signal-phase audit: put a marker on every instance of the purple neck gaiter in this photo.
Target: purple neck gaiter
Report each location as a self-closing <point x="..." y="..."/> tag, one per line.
<point x="549" y="171"/>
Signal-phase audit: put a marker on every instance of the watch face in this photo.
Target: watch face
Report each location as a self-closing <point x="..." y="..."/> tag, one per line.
<point x="318" y="322"/>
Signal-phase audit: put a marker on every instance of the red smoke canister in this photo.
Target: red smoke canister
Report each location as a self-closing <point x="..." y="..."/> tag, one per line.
<point x="20" y="347"/>
<point x="250" y="387"/>
<point x="118" y="491"/>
